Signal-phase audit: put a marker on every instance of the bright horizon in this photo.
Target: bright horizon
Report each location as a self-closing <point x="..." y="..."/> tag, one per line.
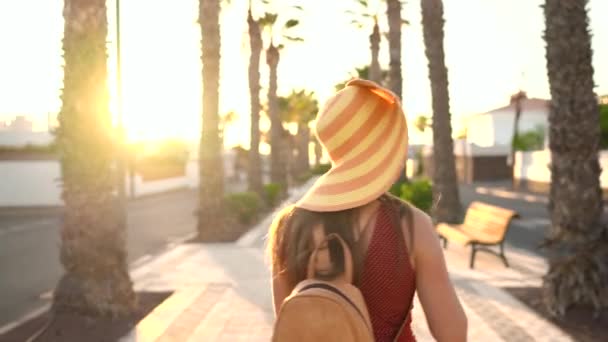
<point x="489" y="45"/>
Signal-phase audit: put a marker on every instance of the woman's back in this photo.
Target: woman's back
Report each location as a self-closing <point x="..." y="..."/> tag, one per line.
<point x="388" y="281"/>
<point x="363" y="131"/>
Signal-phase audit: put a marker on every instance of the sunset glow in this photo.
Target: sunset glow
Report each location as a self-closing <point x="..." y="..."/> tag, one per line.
<point x="489" y="56"/>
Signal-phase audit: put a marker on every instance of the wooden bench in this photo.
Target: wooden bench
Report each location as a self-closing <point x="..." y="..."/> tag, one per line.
<point x="484" y="225"/>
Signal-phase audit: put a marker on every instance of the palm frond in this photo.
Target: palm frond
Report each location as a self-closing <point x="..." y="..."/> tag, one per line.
<point x="294" y="39"/>
<point x="268" y="19"/>
<point x="291" y="23"/>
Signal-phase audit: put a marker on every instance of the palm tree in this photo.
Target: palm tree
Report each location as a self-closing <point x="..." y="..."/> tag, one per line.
<point x="278" y="145"/>
<point x="393" y="13"/>
<point x="255" y="42"/>
<point x="363" y="73"/>
<point x="422" y="123"/>
<point x="516" y="99"/>
<point x="445" y="186"/>
<point x="300" y="107"/>
<point x="93" y="250"/>
<point x="211" y="165"/>
<point x="577" y="239"/>
<point x="361" y="18"/>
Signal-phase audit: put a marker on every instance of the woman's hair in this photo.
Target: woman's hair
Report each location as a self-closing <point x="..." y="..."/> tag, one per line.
<point x="291" y="243"/>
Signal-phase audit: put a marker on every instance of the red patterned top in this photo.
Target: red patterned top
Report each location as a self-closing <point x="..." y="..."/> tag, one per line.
<point x="388" y="282"/>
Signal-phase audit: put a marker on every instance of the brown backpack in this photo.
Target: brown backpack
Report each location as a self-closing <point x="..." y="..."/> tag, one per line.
<point x="320" y="310"/>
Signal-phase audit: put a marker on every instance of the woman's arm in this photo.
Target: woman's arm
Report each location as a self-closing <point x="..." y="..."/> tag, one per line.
<point x="444" y="314"/>
<point x="280" y="291"/>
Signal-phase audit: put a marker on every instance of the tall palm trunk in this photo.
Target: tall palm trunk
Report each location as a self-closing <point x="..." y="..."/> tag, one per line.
<point x="577" y="240"/>
<point x="278" y="164"/>
<point x="393" y="12"/>
<point x="318" y="151"/>
<point x="211" y="189"/>
<point x="445" y="186"/>
<point x="93" y="249"/>
<point x="255" y="167"/>
<point x="303" y="140"/>
<point x="375" y="74"/>
<point x="517" y="100"/>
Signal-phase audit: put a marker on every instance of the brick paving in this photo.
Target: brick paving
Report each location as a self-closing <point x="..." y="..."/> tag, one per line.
<point x="222" y="293"/>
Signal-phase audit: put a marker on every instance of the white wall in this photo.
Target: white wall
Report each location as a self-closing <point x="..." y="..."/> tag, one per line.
<point x="157" y="186"/>
<point x="464" y="148"/>
<point x="30" y="183"/>
<point x="496" y="128"/>
<point x="480" y="130"/>
<point x="503" y="124"/>
<point x="12" y="138"/>
<point x="534" y="166"/>
<point x="25" y="183"/>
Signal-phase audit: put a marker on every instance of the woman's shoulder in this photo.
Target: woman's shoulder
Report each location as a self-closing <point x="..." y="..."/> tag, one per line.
<point x="408" y="212"/>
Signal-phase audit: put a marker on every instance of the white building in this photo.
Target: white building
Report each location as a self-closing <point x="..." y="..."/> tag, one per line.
<point x="495" y="128"/>
<point x="20" y="132"/>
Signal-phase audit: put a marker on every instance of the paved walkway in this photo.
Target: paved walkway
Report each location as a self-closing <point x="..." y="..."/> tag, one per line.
<point x="222" y="293"/>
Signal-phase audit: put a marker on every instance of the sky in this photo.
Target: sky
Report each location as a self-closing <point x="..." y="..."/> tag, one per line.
<point x="493" y="48"/>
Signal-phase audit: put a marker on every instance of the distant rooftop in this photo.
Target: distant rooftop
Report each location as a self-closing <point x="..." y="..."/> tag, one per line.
<point x="532" y="105"/>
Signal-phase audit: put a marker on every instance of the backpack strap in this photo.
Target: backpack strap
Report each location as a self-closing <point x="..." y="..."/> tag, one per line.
<point x="330" y="288"/>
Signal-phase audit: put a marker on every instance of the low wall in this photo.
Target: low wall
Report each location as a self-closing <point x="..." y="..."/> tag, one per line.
<point x="531" y="171"/>
<point x="30" y="183"/>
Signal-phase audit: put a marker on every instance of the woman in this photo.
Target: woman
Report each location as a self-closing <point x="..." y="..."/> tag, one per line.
<point x="394" y="246"/>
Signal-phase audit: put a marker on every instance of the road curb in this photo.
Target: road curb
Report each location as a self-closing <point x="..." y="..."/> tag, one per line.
<point x="26" y="317"/>
<point x="508" y="194"/>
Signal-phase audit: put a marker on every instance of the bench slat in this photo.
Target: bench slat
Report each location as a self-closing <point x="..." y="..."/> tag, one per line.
<point x="483" y="223"/>
<point x="452" y="233"/>
<point x="497" y="211"/>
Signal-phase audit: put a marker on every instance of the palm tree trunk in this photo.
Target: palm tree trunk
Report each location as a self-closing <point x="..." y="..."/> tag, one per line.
<point x="278" y="164"/>
<point x="445" y="186"/>
<point x="93" y="248"/>
<point x="577" y="240"/>
<point x="303" y="142"/>
<point x="516" y="119"/>
<point x="211" y="189"/>
<point x="255" y="167"/>
<point x="375" y="74"/>
<point x="318" y="151"/>
<point x="393" y="12"/>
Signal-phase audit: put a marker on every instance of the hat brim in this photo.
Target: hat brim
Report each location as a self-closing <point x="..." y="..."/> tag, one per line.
<point x="363" y="178"/>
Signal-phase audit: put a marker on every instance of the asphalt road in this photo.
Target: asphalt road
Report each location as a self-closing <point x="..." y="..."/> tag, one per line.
<point x="29" y="253"/>
<point x="29" y="246"/>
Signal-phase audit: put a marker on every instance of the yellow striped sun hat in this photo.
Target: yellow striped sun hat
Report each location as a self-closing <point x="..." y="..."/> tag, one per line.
<point x="364" y="132"/>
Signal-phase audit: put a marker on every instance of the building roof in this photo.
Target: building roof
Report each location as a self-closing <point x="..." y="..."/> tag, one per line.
<point x="527" y="105"/>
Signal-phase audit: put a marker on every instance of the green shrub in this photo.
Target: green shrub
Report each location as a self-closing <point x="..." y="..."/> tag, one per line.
<point x="530" y="140"/>
<point x="320" y="169"/>
<point x="272" y="194"/>
<point x="243" y="205"/>
<point x="396" y="188"/>
<point x="419" y="193"/>
<point x="303" y="177"/>
<point x="604" y="127"/>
